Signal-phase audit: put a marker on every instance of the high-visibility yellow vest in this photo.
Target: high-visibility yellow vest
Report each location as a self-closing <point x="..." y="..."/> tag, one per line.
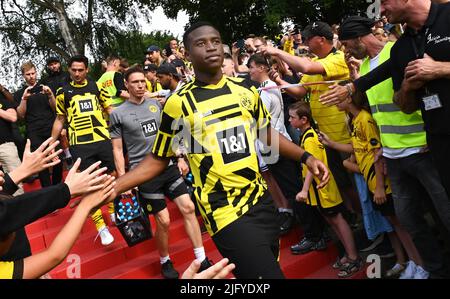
<point x="106" y="82"/>
<point x="397" y="129"/>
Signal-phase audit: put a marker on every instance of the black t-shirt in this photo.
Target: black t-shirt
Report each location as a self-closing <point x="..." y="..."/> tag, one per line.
<point x="56" y="80"/>
<point x="5" y="126"/>
<point x="434" y="40"/>
<point x="40" y="116"/>
<point x="119" y="83"/>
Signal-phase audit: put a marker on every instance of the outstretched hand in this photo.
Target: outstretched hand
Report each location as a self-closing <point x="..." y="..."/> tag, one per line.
<point x="94" y="200"/>
<point x="219" y="270"/>
<point x="324" y="139"/>
<point x="42" y="158"/>
<point x="319" y="169"/>
<point x="86" y="181"/>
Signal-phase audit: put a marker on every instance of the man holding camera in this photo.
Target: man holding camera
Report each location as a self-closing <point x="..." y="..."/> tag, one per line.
<point x="37" y="107"/>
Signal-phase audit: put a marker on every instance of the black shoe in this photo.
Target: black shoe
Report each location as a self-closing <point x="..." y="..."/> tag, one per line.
<point x="205" y="265"/>
<point x="326" y="236"/>
<point x="168" y="271"/>
<point x="375" y="243"/>
<point x="305" y="246"/>
<point x="286" y="222"/>
<point x="385" y="250"/>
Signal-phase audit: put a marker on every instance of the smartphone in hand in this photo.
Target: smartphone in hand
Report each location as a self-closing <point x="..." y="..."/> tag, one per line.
<point x="36" y="89"/>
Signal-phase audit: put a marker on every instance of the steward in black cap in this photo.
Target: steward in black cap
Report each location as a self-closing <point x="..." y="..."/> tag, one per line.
<point x="318" y="29"/>
<point x="354" y="27"/>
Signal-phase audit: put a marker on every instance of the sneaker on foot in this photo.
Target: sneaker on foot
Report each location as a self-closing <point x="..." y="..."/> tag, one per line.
<point x="378" y="240"/>
<point x="168" y="271"/>
<point x="205" y="265"/>
<point x="410" y="271"/>
<point x="395" y="271"/>
<point x="421" y="273"/>
<point x="305" y="246"/>
<point x="106" y="236"/>
<point x="385" y="252"/>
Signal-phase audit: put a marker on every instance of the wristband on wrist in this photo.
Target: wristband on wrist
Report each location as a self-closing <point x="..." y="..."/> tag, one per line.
<point x="349" y="89"/>
<point x="305" y="157"/>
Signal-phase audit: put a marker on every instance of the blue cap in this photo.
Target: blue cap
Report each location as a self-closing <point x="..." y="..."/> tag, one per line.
<point x="152" y="48"/>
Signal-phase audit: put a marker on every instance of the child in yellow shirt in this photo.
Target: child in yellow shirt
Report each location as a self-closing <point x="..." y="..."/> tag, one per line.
<point x="327" y="199"/>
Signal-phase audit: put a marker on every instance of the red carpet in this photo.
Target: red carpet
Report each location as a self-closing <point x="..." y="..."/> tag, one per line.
<point x="142" y="261"/>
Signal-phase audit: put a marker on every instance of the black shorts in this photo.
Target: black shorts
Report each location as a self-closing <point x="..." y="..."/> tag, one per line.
<point x="386" y="209"/>
<point x="333" y="211"/>
<point x="168" y="184"/>
<point x="340" y="174"/>
<point x="252" y="242"/>
<point x="37" y="138"/>
<point x="93" y="152"/>
<point x="287" y="173"/>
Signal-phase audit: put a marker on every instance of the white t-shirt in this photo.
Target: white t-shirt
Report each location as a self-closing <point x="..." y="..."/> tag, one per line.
<point x="273" y="100"/>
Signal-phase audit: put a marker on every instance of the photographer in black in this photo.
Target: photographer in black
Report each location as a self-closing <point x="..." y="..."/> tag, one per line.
<point x="37" y="106"/>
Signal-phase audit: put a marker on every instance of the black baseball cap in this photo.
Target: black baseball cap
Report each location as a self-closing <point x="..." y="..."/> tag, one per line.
<point x="150" y="68"/>
<point x="52" y="59"/>
<point x="318" y="29"/>
<point x="178" y="63"/>
<point x="167" y="69"/>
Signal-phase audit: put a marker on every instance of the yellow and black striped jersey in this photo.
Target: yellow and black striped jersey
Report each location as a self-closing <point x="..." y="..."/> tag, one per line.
<point x="11" y="270"/>
<point x="328" y="196"/>
<point x="153" y="87"/>
<point x="365" y="139"/>
<point x="83" y="105"/>
<point x="220" y="124"/>
<point x="331" y="121"/>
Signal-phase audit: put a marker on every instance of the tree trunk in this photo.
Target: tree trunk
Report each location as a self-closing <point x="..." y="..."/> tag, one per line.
<point x="74" y="41"/>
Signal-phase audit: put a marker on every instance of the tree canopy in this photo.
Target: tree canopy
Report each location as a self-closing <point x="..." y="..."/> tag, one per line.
<point x="237" y="19"/>
<point x="39" y="28"/>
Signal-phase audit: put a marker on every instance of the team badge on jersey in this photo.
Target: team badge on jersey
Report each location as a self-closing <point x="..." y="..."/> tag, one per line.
<point x="153" y="109"/>
<point x="246" y="102"/>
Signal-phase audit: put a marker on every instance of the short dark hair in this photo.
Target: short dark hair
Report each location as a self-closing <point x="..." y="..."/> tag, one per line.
<point x="132" y="70"/>
<point x="227" y="56"/>
<point x="302" y="109"/>
<point x="150" y="68"/>
<point x="194" y="27"/>
<point x="112" y="58"/>
<point x="79" y="58"/>
<point x="124" y="63"/>
<point x="168" y="69"/>
<point x="258" y="59"/>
